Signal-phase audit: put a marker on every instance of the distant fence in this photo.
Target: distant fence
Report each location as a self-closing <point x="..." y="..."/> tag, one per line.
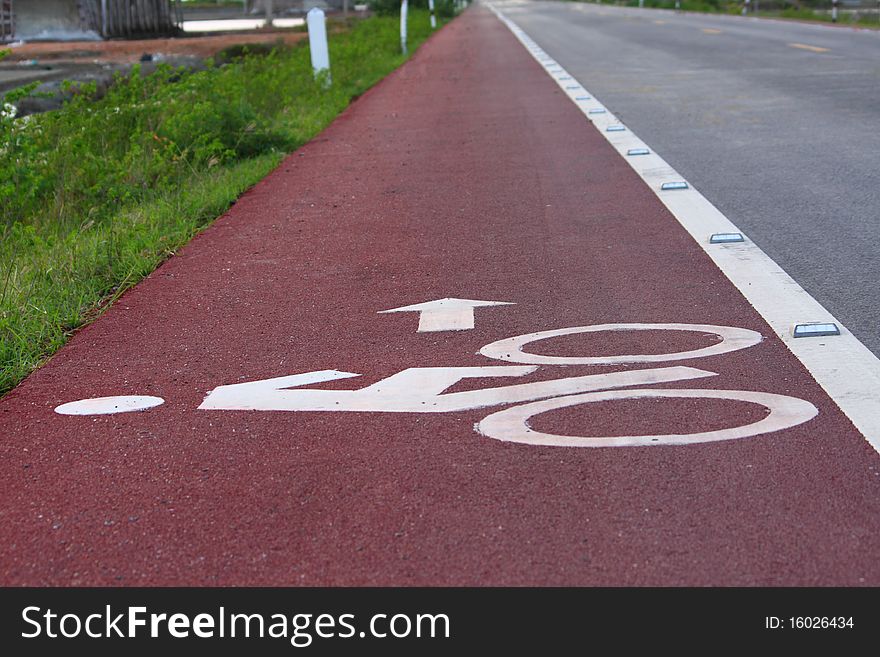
<point x="123" y="18"/>
<point x="859" y="7"/>
<point x="865" y="11"/>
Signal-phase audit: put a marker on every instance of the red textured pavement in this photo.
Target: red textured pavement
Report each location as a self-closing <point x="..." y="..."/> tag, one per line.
<point x="466" y="173"/>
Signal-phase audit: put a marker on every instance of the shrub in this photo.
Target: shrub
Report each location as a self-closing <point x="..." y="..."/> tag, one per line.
<point x="443" y="8"/>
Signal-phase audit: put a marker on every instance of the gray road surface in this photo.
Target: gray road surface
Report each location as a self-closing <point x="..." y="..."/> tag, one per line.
<point x="776" y="122"/>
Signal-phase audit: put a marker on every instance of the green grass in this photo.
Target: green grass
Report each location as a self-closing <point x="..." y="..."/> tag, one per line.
<point x="686" y="5"/>
<point x="95" y="195"/>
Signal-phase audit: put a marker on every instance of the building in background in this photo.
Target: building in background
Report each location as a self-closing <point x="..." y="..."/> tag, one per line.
<point x="282" y="7"/>
<point x="32" y="20"/>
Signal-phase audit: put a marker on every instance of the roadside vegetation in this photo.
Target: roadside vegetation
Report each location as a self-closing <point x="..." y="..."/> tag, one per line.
<point x="864" y="15"/>
<point x="95" y="195"/>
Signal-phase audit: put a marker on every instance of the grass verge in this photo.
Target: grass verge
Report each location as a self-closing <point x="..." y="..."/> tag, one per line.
<point x="770" y="9"/>
<point x="95" y="195"/>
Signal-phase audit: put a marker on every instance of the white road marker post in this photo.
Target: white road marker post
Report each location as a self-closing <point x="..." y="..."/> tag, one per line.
<point x="834" y="11"/>
<point x="433" y="18"/>
<point x="745" y="7"/>
<point x="404" y="7"/>
<point x="270" y="13"/>
<point x="641" y="4"/>
<point x="317" y="27"/>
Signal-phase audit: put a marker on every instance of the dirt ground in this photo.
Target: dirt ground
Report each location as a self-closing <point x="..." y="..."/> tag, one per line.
<point x="52" y="62"/>
<point x="125" y="51"/>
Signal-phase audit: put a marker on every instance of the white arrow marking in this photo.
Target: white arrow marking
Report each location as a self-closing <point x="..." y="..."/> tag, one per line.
<point x="421" y="390"/>
<point x="446" y="314"/>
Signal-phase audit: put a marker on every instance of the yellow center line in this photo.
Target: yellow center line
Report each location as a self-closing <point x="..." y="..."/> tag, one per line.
<point x="659" y="22"/>
<point x="803" y="46"/>
<point x="711" y="30"/>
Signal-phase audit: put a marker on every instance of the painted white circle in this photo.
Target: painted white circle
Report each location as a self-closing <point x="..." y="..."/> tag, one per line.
<point x="511" y="349"/>
<point x="511" y="424"/>
<point x="109" y="405"/>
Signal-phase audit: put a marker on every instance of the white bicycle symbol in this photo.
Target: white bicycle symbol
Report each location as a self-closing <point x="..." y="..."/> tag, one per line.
<point x="422" y="390"/>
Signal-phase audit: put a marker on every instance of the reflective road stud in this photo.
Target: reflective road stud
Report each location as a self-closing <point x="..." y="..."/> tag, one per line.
<point x="726" y="238"/>
<point x="679" y="184"/>
<point x="816" y="329"/>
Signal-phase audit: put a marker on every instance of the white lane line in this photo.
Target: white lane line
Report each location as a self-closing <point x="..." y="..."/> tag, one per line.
<point x="842" y="365"/>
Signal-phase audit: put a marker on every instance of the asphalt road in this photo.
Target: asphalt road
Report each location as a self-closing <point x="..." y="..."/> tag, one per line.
<point x="776" y="122"/>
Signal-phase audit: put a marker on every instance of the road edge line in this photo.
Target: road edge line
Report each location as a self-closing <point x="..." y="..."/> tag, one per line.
<point x="847" y="370"/>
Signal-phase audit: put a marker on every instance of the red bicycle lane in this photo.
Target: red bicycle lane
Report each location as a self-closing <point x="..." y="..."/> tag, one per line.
<point x="465" y="174"/>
